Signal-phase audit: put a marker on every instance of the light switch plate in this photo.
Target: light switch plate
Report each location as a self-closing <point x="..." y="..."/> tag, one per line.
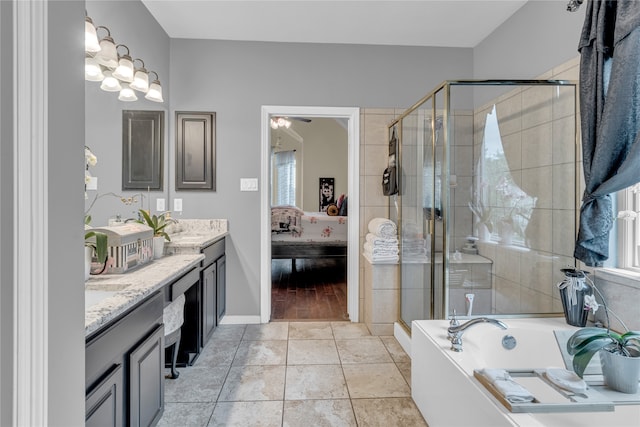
<point x="248" y="184"/>
<point x="177" y="205"/>
<point x="160" y="206"/>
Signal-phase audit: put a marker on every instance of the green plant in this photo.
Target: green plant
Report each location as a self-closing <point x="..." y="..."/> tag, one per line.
<point x="96" y="240"/>
<point x="157" y="223"/>
<point x="584" y="344"/>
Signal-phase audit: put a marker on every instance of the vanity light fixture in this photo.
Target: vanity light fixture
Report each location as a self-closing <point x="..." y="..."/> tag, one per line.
<point x="124" y="70"/>
<point x="127" y="94"/>
<point x="91" y="43"/>
<point x="115" y="69"/>
<point x="140" y="78"/>
<point x="110" y="83"/>
<point x="155" y="90"/>
<point x="107" y="56"/>
<point x="92" y="70"/>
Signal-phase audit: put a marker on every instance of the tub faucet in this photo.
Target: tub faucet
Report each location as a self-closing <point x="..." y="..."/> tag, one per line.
<point x="456" y="331"/>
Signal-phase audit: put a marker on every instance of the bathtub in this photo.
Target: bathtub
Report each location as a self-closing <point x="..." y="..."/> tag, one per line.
<point x="447" y="394"/>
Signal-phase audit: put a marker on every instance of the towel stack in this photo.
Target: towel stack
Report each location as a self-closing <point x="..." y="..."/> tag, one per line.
<point x="413" y="243"/>
<point x="382" y="241"/>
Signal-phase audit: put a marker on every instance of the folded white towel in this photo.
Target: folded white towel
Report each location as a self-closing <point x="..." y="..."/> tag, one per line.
<point x="382" y="258"/>
<point x="383" y="227"/>
<point x="380" y="241"/>
<point x="495" y="374"/>
<point x="380" y="250"/>
<point x="567" y="380"/>
<point x="512" y="391"/>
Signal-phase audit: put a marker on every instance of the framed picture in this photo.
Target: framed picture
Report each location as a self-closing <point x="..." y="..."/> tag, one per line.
<point x="326" y="193"/>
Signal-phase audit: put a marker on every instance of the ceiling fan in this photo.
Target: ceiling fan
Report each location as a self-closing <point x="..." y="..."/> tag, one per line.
<point x="285" y="121"/>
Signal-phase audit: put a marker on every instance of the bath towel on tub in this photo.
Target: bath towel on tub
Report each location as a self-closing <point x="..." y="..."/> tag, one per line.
<point x="511" y="390"/>
<point x="383" y="227"/>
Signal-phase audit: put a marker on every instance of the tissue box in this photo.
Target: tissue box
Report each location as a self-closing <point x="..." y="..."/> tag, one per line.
<point x="129" y="245"/>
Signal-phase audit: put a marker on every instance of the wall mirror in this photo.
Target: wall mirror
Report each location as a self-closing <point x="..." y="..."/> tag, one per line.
<point x="142" y="148"/>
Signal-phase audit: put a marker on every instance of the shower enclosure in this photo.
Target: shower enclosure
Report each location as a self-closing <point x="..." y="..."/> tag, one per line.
<point x="486" y="209"/>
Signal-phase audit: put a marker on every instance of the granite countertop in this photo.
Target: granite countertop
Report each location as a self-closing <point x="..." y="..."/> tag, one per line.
<point x="191" y="235"/>
<point x="108" y="296"/>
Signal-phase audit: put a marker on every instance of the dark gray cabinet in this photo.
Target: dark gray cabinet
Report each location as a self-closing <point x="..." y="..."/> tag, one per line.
<point x="209" y="304"/>
<point x="212" y="284"/>
<point x="195" y="151"/>
<point x="142" y="148"/>
<point x="103" y="405"/>
<point x="123" y="366"/>
<point x="221" y="284"/>
<point x="146" y="381"/>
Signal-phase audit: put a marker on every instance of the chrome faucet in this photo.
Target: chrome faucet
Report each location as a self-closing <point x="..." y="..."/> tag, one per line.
<point x="455" y="332"/>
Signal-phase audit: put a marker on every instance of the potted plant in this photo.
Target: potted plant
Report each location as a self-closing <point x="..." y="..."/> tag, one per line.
<point x="158" y="224"/>
<point x="619" y="353"/>
<point x="95" y="244"/>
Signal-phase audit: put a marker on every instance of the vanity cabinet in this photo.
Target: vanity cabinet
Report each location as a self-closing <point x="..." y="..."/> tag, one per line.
<point x="209" y="303"/>
<point x="124" y="362"/>
<point x="213" y="287"/>
<point x="103" y="406"/>
<point x="221" y="267"/>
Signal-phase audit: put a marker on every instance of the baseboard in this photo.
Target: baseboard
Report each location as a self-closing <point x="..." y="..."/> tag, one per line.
<point x="403" y="337"/>
<point x="239" y="320"/>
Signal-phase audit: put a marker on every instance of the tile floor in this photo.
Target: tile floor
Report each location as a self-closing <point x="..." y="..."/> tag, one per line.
<point x="310" y="374"/>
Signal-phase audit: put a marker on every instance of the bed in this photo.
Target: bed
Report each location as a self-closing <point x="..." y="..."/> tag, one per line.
<point x="296" y="234"/>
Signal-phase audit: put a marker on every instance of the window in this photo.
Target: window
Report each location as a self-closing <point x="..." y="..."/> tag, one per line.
<point x="284" y="178"/>
<point x="629" y="228"/>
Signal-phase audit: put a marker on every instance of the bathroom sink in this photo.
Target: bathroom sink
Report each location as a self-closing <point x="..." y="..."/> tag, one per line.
<point x="92" y="297"/>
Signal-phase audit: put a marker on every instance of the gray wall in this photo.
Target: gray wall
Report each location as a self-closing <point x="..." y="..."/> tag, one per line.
<point x="538" y="37"/>
<point x="235" y="79"/>
<point x="131" y="24"/>
<point x="6" y="213"/>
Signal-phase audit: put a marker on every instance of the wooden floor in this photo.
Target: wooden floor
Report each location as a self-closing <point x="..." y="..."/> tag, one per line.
<point x="316" y="290"/>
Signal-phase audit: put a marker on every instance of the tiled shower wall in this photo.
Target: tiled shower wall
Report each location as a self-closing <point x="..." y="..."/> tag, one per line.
<point x="537" y="130"/>
<point x="374" y="151"/>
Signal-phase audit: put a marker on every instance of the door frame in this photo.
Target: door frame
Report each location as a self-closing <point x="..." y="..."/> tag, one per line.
<point x="352" y="114"/>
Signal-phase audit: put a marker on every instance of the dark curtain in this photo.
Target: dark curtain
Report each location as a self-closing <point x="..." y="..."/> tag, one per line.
<point x="610" y="117"/>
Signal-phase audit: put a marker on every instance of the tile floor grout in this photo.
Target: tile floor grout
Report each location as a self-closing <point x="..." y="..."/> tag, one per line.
<point x="254" y="378"/>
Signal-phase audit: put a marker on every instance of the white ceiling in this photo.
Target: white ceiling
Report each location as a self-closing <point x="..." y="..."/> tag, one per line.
<point x="452" y="23"/>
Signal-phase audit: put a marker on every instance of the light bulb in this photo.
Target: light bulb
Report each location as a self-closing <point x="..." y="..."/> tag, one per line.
<point x="155" y="92"/>
<point x="107" y="55"/>
<point x="140" y="81"/>
<point x="127" y="94"/>
<point x="91" y="43"/>
<point x="110" y="83"/>
<point x="92" y="70"/>
<point x="124" y="71"/>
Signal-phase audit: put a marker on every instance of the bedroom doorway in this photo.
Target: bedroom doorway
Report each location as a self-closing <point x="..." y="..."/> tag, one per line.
<point x="320" y="272"/>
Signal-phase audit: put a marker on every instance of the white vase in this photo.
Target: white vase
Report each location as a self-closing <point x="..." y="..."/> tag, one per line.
<point x="620" y="373"/>
<point x="484" y="235"/>
<point x="88" y="253"/>
<point x="158" y="247"/>
<point x="506" y="233"/>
